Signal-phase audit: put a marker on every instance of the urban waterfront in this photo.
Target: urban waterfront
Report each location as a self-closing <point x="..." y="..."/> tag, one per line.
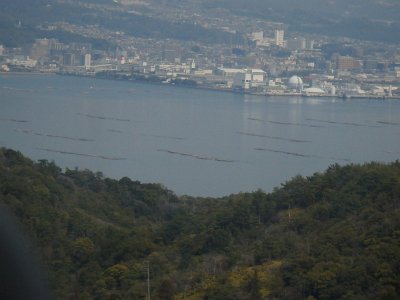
<point x="196" y="142"/>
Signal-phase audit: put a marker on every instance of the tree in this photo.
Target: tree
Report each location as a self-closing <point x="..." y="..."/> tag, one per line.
<point x="166" y="290"/>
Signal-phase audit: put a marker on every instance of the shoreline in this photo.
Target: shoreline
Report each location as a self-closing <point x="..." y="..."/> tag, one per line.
<point x="243" y="92"/>
<point x="29" y="73"/>
<point x="203" y="87"/>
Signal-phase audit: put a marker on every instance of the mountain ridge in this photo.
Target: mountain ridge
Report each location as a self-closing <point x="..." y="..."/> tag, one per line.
<point x="374" y="20"/>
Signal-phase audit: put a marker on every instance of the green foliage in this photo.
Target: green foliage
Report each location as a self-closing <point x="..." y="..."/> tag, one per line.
<point x="334" y="235"/>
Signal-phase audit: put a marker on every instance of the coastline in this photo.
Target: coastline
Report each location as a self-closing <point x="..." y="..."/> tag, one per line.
<point x="29" y="73"/>
<point x="209" y="131"/>
<point x="204" y="87"/>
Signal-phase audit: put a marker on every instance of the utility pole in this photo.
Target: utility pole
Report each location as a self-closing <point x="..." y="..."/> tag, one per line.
<point x="147" y="268"/>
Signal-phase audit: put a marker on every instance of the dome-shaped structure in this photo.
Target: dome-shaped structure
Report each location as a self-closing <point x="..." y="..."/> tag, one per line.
<point x="295" y="82"/>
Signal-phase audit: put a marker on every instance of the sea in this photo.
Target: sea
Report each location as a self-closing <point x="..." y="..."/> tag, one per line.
<point x="192" y="141"/>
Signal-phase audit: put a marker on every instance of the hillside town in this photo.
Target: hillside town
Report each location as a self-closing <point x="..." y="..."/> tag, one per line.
<point x="270" y="61"/>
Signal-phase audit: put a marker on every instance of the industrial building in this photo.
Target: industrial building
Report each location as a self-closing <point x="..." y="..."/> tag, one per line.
<point x="249" y="79"/>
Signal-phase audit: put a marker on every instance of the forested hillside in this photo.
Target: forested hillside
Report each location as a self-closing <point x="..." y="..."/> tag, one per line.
<point x="360" y="19"/>
<point x="334" y="235"/>
<point x="22" y="21"/>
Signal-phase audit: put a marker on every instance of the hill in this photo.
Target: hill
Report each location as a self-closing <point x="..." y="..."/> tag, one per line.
<point x="22" y="21"/>
<point x="333" y="235"/>
<point x="369" y="20"/>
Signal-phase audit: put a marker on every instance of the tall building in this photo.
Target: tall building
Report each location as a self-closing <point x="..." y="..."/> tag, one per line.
<point x="88" y="60"/>
<point x="193" y="65"/>
<point x="346" y="63"/>
<point x="279" y="35"/>
<point x="257" y="36"/>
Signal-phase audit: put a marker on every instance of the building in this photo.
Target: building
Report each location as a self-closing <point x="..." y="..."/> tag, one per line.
<point x="242" y="81"/>
<point x="248" y="79"/>
<point x="257" y="36"/>
<point x="258" y="75"/>
<point x="229" y="72"/>
<point x="346" y="63"/>
<point x="279" y="37"/>
<point x="87" y="60"/>
<point x="22" y="62"/>
<point x="314" y="91"/>
<point x="69" y="59"/>
<point x="397" y="71"/>
<point x="207" y="72"/>
<point x="295" y="83"/>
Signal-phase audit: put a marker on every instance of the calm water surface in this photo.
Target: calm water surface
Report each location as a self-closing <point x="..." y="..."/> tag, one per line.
<point x="196" y="142"/>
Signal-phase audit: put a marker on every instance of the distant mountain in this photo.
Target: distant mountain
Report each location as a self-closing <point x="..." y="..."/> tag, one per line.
<point x="377" y="20"/>
<point x="388" y="10"/>
<point x="333" y="235"/>
<point x="20" y="19"/>
<point x="21" y="22"/>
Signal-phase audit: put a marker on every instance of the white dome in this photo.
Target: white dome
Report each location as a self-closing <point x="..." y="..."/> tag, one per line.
<point x="295" y="82"/>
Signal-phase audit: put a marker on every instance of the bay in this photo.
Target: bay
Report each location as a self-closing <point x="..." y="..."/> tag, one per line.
<point x="195" y="142"/>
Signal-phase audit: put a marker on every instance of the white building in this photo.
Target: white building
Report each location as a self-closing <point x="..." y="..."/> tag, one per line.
<point x="257" y="36"/>
<point x="257" y="75"/>
<point x="208" y="72"/>
<point x="229" y="72"/>
<point x="279" y="37"/>
<point x="397" y="71"/>
<point x="25" y="62"/>
<point x="193" y="65"/>
<point x="251" y="78"/>
<point x="242" y="81"/>
<point x="4" y="68"/>
<point x="295" y="83"/>
<point x="88" y="60"/>
<point x="314" y="91"/>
